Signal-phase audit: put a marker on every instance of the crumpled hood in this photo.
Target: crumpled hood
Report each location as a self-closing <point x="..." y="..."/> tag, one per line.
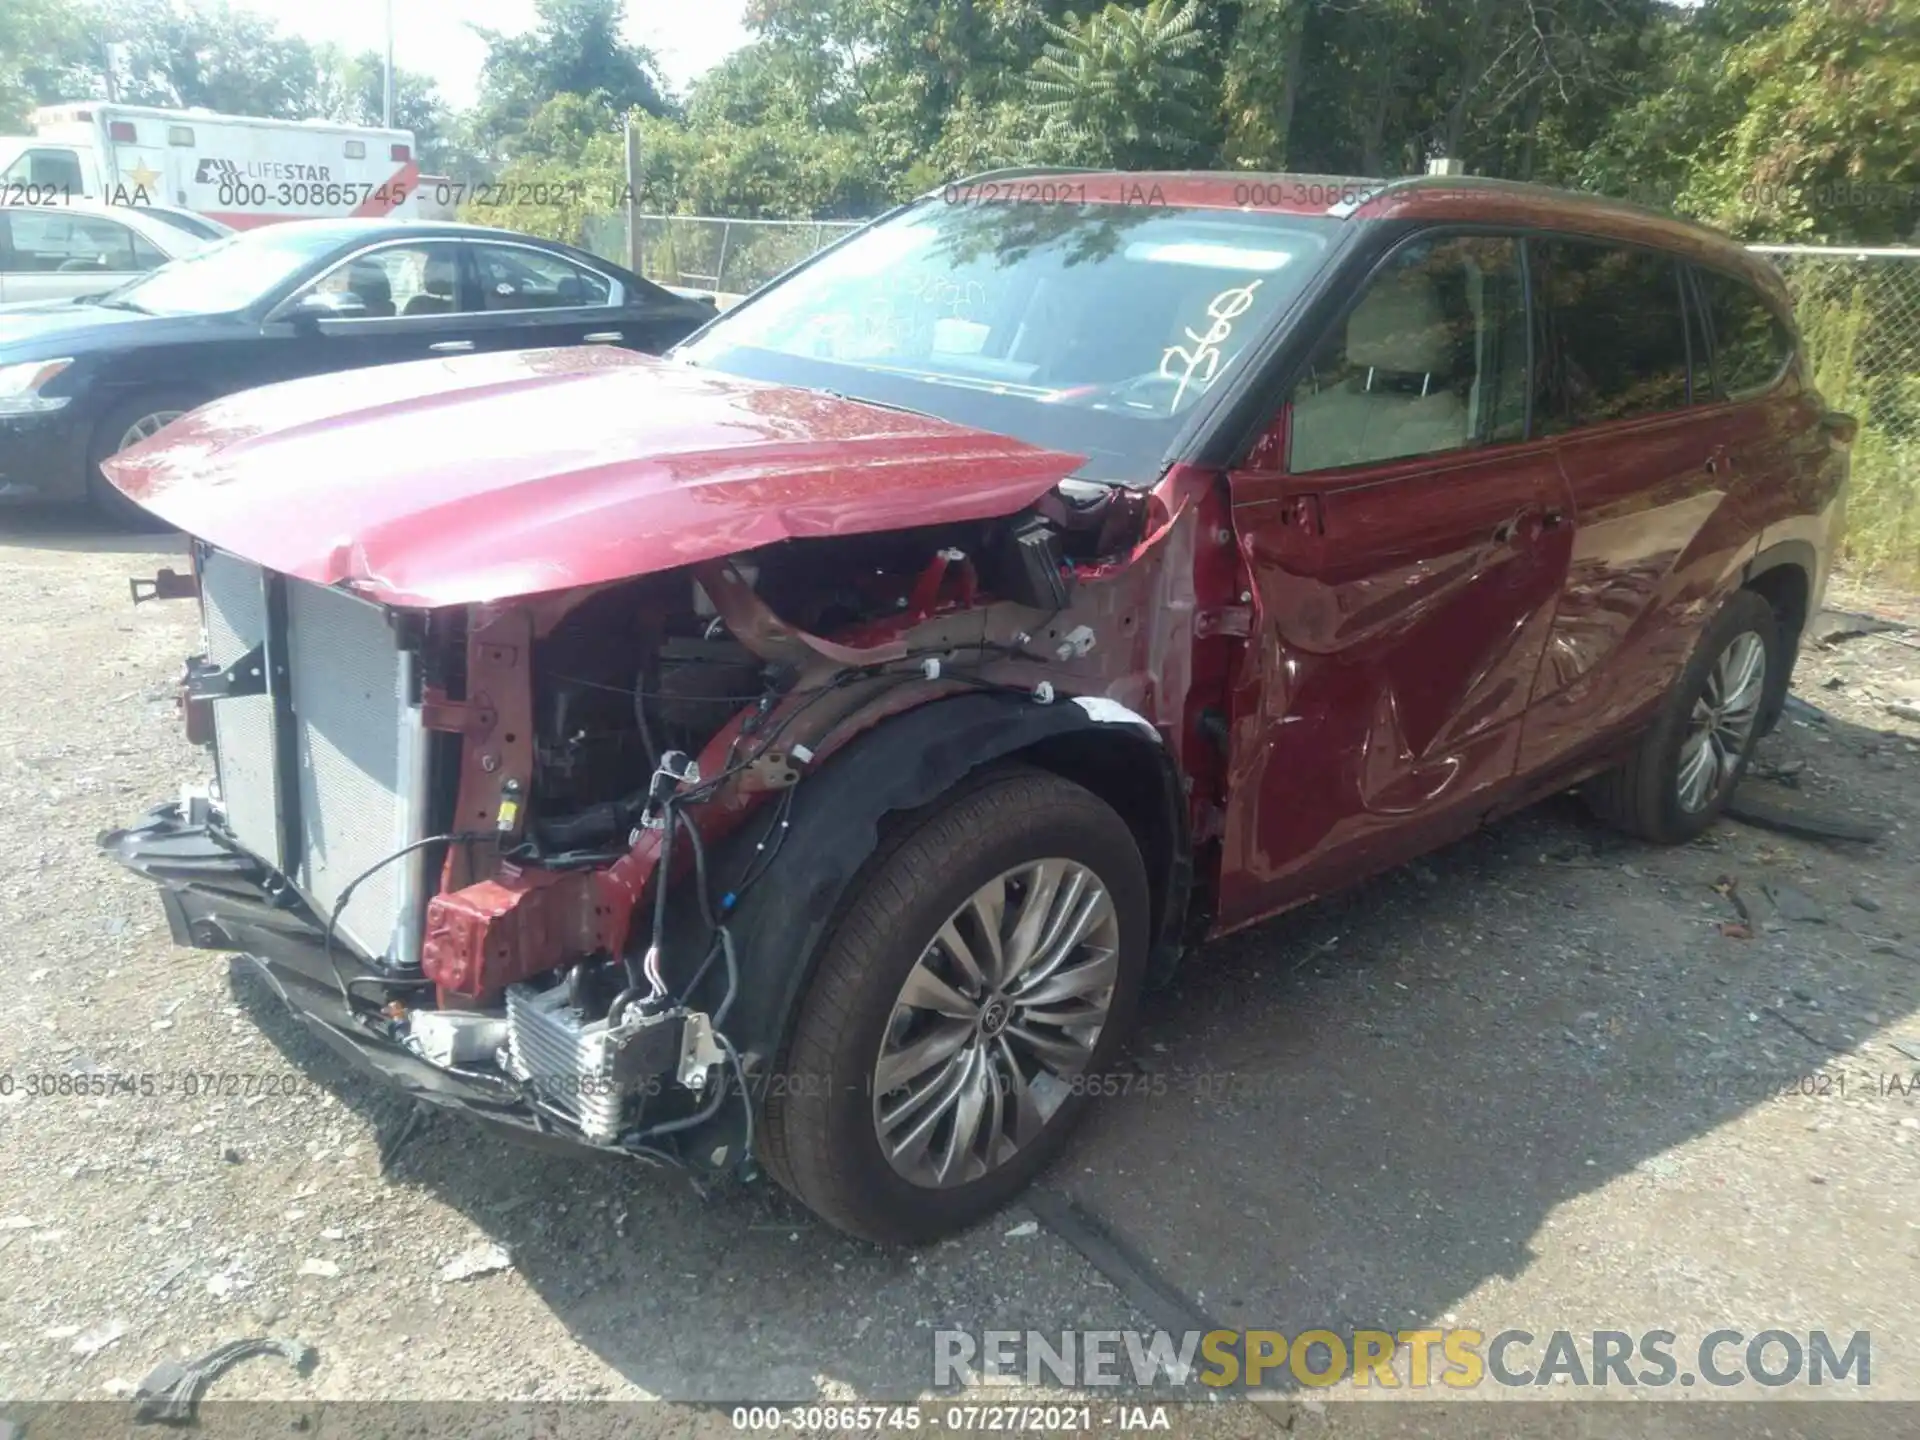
<point x="446" y="482"/>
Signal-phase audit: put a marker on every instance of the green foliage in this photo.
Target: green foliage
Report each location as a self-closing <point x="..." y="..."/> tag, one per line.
<point x="1123" y="87"/>
<point x="574" y="49"/>
<point x="1778" y="119"/>
<point x="208" y="54"/>
<point x="40" y="41"/>
<point x="1827" y="140"/>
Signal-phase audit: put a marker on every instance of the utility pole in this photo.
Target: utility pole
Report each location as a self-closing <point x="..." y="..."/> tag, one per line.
<point x="633" y="195"/>
<point x="386" y="90"/>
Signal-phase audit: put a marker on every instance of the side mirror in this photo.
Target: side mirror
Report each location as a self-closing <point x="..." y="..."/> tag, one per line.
<point x="315" y="306"/>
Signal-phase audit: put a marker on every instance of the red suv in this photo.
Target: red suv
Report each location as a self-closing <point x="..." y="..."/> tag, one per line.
<point x="806" y="749"/>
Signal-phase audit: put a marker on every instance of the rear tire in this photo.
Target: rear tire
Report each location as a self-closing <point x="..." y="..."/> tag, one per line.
<point x="132" y="420"/>
<point x="1677" y="781"/>
<point x="891" y="1146"/>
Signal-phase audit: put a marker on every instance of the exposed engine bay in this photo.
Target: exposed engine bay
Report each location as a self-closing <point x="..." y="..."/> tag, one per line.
<point x="611" y="773"/>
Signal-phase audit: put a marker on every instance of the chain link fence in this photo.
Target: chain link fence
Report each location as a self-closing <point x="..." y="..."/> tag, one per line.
<point x="1859" y="313"/>
<point x="710" y="252"/>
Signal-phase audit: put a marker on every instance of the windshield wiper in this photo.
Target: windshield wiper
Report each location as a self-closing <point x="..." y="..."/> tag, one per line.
<point x="108" y="302"/>
<point x="886" y="405"/>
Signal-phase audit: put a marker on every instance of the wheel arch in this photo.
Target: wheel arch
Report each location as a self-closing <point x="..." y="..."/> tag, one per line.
<point x="1782" y="575"/>
<point x="838" y="818"/>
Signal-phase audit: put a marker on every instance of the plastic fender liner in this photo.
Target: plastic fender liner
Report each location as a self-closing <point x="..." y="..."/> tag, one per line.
<point x="903" y="764"/>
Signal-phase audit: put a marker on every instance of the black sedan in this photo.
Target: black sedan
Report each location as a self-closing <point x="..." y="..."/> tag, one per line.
<point x="81" y="379"/>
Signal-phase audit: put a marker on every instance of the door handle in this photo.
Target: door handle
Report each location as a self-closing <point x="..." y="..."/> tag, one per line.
<point x="449" y="346"/>
<point x="603" y="337"/>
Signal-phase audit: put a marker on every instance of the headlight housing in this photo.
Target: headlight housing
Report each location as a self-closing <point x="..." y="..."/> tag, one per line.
<point x="20" y="387"/>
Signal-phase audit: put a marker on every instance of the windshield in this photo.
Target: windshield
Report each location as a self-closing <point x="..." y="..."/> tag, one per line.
<point x="1090" y="328"/>
<point x="229" y="274"/>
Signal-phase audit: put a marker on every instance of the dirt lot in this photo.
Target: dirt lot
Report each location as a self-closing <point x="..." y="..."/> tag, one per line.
<point x="1529" y="1082"/>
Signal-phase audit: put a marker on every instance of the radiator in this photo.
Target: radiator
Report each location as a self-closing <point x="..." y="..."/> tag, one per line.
<point x="358" y="748"/>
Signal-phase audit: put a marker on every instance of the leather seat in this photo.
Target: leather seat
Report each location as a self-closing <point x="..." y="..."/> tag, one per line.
<point x="1401" y="397"/>
<point x="436" y="288"/>
<point x="370" y="285"/>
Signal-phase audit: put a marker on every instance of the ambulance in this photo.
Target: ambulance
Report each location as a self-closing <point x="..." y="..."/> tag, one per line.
<point x="236" y="169"/>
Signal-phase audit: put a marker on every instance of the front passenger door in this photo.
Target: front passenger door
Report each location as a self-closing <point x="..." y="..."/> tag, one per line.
<point x="394" y="302"/>
<point x="1407" y="540"/>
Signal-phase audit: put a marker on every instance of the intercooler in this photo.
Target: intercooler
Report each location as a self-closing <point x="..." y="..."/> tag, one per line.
<point x="325" y="775"/>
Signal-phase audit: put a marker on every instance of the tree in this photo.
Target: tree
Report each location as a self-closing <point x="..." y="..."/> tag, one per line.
<point x="1121" y="88"/>
<point x="204" y="54"/>
<point x="574" y="49"/>
<point x="357" y="95"/>
<point x="1825" y="144"/>
<point x="40" y="41"/>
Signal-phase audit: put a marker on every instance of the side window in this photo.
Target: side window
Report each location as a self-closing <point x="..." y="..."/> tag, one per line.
<point x="1619" y="332"/>
<point x="400" y="280"/>
<point x="47" y="170"/>
<point x="1432" y="358"/>
<point x="1750" y="343"/>
<point x="516" y="279"/>
<point x="42" y="241"/>
<point x="106" y="245"/>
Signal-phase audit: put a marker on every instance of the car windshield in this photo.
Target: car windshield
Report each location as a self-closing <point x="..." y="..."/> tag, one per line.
<point x="229" y="274"/>
<point x="1091" y="328"/>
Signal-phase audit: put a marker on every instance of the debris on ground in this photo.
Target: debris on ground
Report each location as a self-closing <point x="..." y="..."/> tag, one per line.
<point x="1797" y="709"/>
<point x="1831" y="627"/>
<point x="1775" y="807"/>
<point x="1796" y="905"/>
<point x="171" y="1392"/>
<point x="472" y="1264"/>
<point x="91" y="1342"/>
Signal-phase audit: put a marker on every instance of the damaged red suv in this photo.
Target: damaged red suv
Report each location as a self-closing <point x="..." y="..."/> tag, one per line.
<point x="806" y="749"/>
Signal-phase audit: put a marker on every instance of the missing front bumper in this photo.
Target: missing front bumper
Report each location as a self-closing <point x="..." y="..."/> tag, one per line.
<point x="218" y="897"/>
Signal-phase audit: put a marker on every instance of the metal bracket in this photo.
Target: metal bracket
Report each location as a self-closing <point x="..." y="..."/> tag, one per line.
<point x="167" y="585"/>
<point x="1234" y="620"/>
<point x="699" y="1052"/>
<point x="245" y="676"/>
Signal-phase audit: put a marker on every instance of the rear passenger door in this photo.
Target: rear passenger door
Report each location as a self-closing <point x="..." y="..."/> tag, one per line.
<point x="531" y="299"/>
<point x="1648" y="470"/>
<point x="1407" y="542"/>
<point x="1776" y="447"/>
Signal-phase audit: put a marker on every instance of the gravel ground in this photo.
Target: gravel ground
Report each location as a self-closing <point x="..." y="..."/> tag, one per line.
<point x="1527" y="1082"/>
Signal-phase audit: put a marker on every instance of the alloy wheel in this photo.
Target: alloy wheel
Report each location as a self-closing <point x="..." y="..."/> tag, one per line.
<point x="1721" y="725"/>
<point x="996" y="1020"/>
<point x="146" y="427"/>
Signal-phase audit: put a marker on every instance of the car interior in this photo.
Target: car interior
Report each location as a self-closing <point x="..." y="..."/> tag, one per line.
<point x="438" y="278"/>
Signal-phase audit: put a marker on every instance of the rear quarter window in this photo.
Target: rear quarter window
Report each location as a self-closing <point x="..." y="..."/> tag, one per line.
<point x="1750" y="342"/>
<point x="1618" y="346"/>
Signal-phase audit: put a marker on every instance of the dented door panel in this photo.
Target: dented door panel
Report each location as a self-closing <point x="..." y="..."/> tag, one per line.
<point x="1395" y="643"/>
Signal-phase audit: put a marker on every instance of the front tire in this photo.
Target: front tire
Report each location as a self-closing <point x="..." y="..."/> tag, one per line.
<point x="985" y="966"/>
<point x="137" y="418"/>
<point x="1678" y="780"/>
